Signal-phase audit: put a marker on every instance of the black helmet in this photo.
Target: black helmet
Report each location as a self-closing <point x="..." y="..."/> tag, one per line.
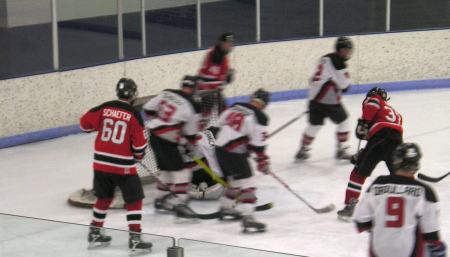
<point x="226" y="37"/>
<point x="378" y="91"/>
<point x="343" y="42"/>
<point x="189" y="81"/>
<point x="126" y="88"/>
<point x="406" y="157"/>
<point x="261" y="96"/>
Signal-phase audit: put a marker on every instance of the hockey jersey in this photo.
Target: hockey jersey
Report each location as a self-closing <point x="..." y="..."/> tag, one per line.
<point x="174" y="115"/>
<point x="330" y="80"/>
<point x="205" y="150"/>
<point x="214" y="70"/>
<point x="380" y="115"/>
<point x="400" y="212"/>
<point x="243" y="128"/>
<point x="120" y="136"/>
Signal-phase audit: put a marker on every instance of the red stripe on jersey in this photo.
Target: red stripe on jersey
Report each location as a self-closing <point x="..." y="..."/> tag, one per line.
<point x="324" y="92"/>
<point x="167" y="129"/>
<point x="237" y="144"/>
<point x="378" y="126"/>
<point x="111" y="168"/>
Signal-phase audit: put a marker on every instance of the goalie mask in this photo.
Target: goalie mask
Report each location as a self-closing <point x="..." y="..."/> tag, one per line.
<point x="380" y="92"/>
<point x="126" y="88"/>
<point x="406" y="157"/>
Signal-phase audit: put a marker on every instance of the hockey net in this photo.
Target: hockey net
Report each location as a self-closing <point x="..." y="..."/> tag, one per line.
<point x="211" y="106"/>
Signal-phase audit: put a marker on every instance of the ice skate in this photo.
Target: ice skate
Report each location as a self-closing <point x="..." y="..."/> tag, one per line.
<point x="342" y="154"/>
<point x="250" y="224"/>
<point x="184" y="214"/>
<point x="137" y="245"/>
<point x="165" y="205"/>
<point x="97" y="237"/>
<point x="347" y="213"/>
<point x="302" y="154"/>
<point x="229" y="214"/>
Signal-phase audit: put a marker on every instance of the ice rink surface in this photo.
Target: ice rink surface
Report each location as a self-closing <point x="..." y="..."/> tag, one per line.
<point x="36" y="180"/>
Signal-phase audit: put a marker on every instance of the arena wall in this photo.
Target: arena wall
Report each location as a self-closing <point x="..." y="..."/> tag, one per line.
<point x="54" y="101"/>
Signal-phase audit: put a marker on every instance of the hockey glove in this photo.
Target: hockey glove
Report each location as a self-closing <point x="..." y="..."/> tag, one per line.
<point x="438" y="251"/>
<point x="362" y="129"/>
<point x="263" y="163"/>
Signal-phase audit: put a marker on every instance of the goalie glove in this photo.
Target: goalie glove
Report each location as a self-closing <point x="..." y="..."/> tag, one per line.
<point x="362" y="129"/>
<point x="263" y="163"/>
<point x="438" y="249"/>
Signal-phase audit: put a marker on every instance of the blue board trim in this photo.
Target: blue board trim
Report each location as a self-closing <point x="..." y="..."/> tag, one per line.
<point x="275" y="97"/>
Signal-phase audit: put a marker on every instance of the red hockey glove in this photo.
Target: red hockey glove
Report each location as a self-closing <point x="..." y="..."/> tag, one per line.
<point x="263" y="163"/>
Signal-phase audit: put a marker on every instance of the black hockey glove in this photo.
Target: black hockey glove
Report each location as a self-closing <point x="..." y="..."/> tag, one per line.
<point x="362" y="129"/>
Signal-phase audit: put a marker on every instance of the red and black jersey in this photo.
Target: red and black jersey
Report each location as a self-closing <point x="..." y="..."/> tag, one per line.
<point x="380" y="115"/>
<point x="214" y="70"/>
<point x="120" y="138"/>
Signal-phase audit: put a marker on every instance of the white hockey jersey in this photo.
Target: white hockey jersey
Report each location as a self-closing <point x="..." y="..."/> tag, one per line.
<point x="206" y="148"/>
<point x="243" y="128"/>
<point x="330" y="80"/>
<point x="400" y="212"/>
<point x="175" y="115"/>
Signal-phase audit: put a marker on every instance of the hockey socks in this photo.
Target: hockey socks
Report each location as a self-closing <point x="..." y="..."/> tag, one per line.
<point x="134" y="215"/>
<point x="100" y="210"/>
<point x="354" y="186"/>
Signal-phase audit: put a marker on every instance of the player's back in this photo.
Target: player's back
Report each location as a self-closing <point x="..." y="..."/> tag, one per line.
<point x="176" y="114"/>
<point x="120" y="132"/>
<point x="397" y="203"/>
<point x="240" y="125"/>
<point x="380" y="115"/>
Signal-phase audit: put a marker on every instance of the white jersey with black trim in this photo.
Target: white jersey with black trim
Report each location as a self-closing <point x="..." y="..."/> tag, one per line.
<point x="243" y="127"/>
<point x="175" y="115"/>
<point x="394" y="208"/>
<point x="330" y="80"/>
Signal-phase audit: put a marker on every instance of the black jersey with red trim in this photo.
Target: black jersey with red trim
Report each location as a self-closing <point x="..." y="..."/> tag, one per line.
<point x="120" y="138"/>
<point x="243" y="128"/>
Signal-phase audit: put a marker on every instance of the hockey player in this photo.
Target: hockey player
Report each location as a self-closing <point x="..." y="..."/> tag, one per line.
<point x="119" y="143"/>
<point x="243" y="129"/>
<point x="204" y="186"/>
<point x="215" y="73"/>
<point x="174" y="121"/>
<point x="330" y="80"/>
<point x="381" y="125"/>
<point x="401" y="214"/>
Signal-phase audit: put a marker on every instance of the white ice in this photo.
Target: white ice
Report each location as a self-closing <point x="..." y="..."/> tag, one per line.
<point x="36" y="180"/>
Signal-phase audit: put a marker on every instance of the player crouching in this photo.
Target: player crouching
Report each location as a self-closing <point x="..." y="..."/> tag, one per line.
<point x="243" y="129"/>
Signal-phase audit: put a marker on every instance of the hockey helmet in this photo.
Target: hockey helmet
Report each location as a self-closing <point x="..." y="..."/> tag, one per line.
<point x="189" y="81"/>
<point x="343" y="42"/>
<point x="378" y="91"/>
<point x="406" y="157"/>
<point x="261" y="96"/>
<point x="126" y="88"/>
<point x="226" y="37"/>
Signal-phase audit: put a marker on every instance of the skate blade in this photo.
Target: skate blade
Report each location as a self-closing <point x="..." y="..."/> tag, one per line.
<point x="98" y="245"/>
<point x="164" y="211"/>
<point x="345" y="218"/>
<point x="139" y="252"/>
<point x="253" y="230"/>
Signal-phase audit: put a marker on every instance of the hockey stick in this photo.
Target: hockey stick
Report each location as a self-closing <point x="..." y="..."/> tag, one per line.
<point x="287" y="124"/>
<point x="431" y="179"/>
<point x="325" y="209"/>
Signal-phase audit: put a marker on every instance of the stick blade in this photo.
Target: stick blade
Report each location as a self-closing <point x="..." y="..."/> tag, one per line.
<point x="325" y="209"/>
<point x="431" y="179"/>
